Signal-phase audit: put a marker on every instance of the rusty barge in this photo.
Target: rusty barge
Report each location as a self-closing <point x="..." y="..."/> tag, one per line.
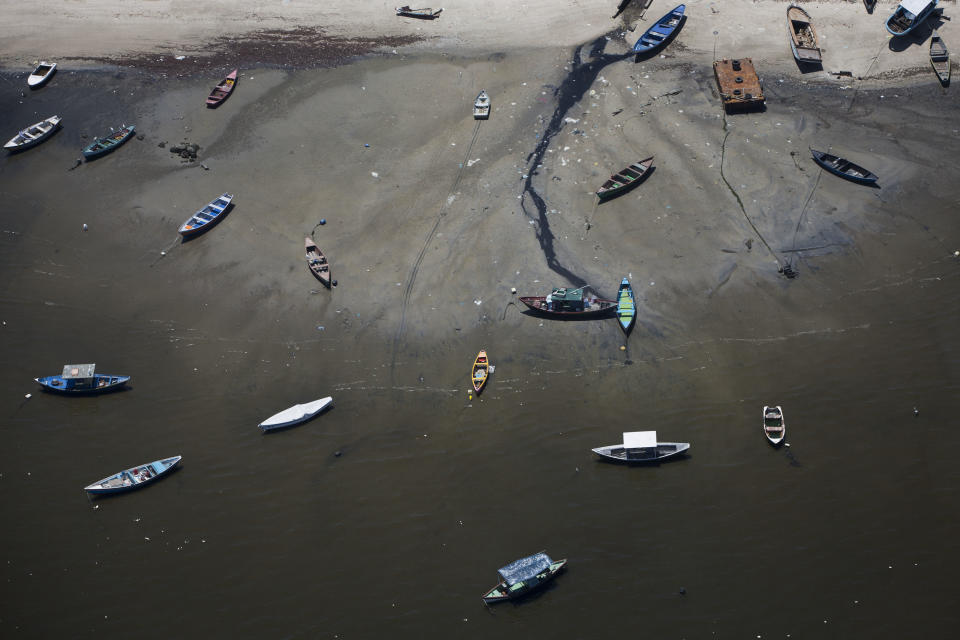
<point x="739" y="84"/>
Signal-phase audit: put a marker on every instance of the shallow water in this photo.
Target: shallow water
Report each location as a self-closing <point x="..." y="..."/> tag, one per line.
<point x="848" y="532"/>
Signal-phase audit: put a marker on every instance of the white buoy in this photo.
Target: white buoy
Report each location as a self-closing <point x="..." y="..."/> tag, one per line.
<point x="85" y="227"/>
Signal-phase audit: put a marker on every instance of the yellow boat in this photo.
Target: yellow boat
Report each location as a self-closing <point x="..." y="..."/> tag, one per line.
<point x="479" y="373"/>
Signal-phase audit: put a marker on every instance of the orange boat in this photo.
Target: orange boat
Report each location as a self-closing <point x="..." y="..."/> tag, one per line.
<point x="223" y="90"/>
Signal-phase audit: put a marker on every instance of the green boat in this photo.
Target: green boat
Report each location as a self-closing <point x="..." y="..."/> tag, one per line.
<point x="103" y="146"/>
<point x="626" y="311"/>
<point x="625" y="180"/>
<point x="522" y="576"/>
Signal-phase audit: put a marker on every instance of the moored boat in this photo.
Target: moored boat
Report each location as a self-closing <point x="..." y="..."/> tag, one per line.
<point x="523" y="576"/>
<point x="206" y="217"/>
<point x="660" y="32"/>
<point x="626" y="179"/>
<point x="480" y="371"/>
<point x="426" y="13"/>
<point x="481" y="107"/>
<point x="41" y="75"/>
<point x="774" y="426"/>
<point x="626" y="310"/>
<point x="940" y="58"/>
<point x="295" y="415"/>
<point x="33" y="135"/>
<point x="317" y="262"/>
<point x="908" y="15"/>
<point x="640" y="447"/>
<point x="566" y="302"/>
<point x="103" y="146"/>
<point x="81" y="379"/>
<point x="843" y="167"/>
<point x="134" y="477"/>
<point x="803" y="38"/>
<point x="223" y="90"/>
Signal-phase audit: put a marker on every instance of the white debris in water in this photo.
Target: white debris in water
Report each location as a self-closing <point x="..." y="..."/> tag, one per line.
<point x="179" y="57"/>
<point x="478" y="302"/>
<point x="375" y="174"/>
<point x="28" y="395"/>
<point x="470" y="163"/>
<point x="572" y="120"/>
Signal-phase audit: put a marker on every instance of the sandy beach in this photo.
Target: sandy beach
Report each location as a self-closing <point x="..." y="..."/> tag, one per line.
<point x="361" y="119"/>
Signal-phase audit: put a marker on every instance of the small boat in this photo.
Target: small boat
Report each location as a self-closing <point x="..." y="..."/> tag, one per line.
<point x="481" y="107"/>
<point x="909" y="15"/>
<point x="33" y="135"/>
<point x="625" y="180"/>
<point x="223" y="90"/>
<point x="940" y="58"/>
<point x="80" y="379"/>
<point x="295" y="415"/>
<point x="566" y="302"/>
<point x="134" y="477"/>
<point x="870" y="4"/>
<point x="103" y="146"/>
<point x="480" y="370"/>
<point x="773" y="425"/>
<point x="641" y="447"/>
<point x="206" y="217"/>
<point x="843" y="168"/>
<point x="522" y="576"/>
<point x="424" y="14"/>
<point x="318" y="263"/>
<point x="626" y="310"/>
<point x="660" y="32"/>
<point x="803" y="39"/>
<point x="41" y="75"/>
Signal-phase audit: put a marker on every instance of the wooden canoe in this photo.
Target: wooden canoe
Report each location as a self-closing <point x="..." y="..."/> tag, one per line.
<point x="33" y="135"/>
<point x="206" y="217"/>
<point x="628" y="178"/>
<point x="660" y="32"/>
<point x="478" y="374"/>
<point x="317" y="262"/>
<point x="41" y="75"/>
<point x="295" y="415"/>
<point x="223" y="90"/>
<point x="626" y="310"/>
<point x="103" y="146"/>
<point x="803" y="38"/>
<point x="134" y="477"/>
<point x="843" y="168"/>
<point x="774" y="426"/>
<point x="940" y="58"/>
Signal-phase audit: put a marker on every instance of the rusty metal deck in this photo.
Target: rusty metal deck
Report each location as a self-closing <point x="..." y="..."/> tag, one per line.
<point x="739" y="84"/>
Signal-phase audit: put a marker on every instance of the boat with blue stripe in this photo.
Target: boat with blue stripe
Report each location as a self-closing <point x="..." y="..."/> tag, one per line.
<point x="657" y="35"/>
<point x="206" y="217"/>
<point x="134" y="477"/>
<point x="626" y="310"/>
<point x="909" y="15"/>
<point x="81" y="379"/>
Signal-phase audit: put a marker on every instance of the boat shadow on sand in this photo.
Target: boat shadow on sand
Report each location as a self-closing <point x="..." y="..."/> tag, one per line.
<point x="653" y="53"/>
<point x="203" y="230"/>
<point x="918" y="36"/>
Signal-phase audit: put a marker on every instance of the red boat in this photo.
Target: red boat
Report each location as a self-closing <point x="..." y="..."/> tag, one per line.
<point x="223" y="90"/>
<point x="569" y="302"/>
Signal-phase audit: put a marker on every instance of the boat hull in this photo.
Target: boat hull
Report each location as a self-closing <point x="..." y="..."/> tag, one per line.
<point x="501" y="593"/>
<point x="774" y="436"/>
<point x="662" y="30"/>
<point x="803" y="37"/>
<point x="295" y="415"/>
<point x="198" y="223"/>
<point x="898" y="25"/>
<point x="626" y="309"/>
<point x="940" y="58"/>
<point x="91" y="151"/>
<point x="625" y="180"/>
<point x="317" y="262"/>
<point x="665" y="450"/>
<point x="36" y="80"/>
<point x="843" y="168"/>
<point x="50" y="126"/>
<point x="104" y="384"/>
<point x="134" y="478"/>
<point x="538" y="304"/>
<point x="222" y="91"/>
<point x="480" y="372"/>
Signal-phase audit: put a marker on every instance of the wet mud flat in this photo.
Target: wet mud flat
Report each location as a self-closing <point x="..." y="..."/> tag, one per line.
<point x="227" y="329"/>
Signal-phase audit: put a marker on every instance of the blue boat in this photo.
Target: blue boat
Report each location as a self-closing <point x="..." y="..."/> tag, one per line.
<point x="206" y="217"/>
<point x="843" y="168"/>
<point x="626" y="310"/>
<point x="134" y="477"/>
<point x="909" y="15"/>
<point x="80" y="379"/>
<point x="661" y="31"/>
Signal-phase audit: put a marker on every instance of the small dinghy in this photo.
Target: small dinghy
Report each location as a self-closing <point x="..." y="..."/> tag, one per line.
<point x="426" y="13"/>
<point x="81" y="379"/>
<point x="626" y="310"/>
<point x="620" y="183"/>
<point x="661" y="31"/>
<point x="773" y="425"/>
<point x="641" y="447"/>
<point x="33" y="135"/>
<point x="940" y="58"/>
<point x="318" y="263"/>
<point x="41" y="75"/>
<point x="103" y="146"/>
<point x="523" y="576"/>
<point x="295" y="415"/>
<point x="206" y="217"/>
<point x="223" y="90"/>
<point x="481" y="107"/>
<point x="843" y="168"/>
<point x="908" y="15"/>
<point x="480" y="371"/>
<point x="563" y="302"/>
<point x="803" y="39"/>
<point x="134" y="477"/>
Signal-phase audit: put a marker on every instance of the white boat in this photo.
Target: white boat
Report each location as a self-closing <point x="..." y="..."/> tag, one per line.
<point x="295" y="415"/>
<point x="33" y="135"/>
<point x="134" y="477"/>
<point x="641" y="446"/>
<point x="41" y="74"/>
<point x="774" y="426"/>
<point x="481" y="108"/>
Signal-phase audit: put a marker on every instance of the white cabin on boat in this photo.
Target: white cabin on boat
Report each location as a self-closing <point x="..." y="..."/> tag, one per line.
<point x="640" y="444"/>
